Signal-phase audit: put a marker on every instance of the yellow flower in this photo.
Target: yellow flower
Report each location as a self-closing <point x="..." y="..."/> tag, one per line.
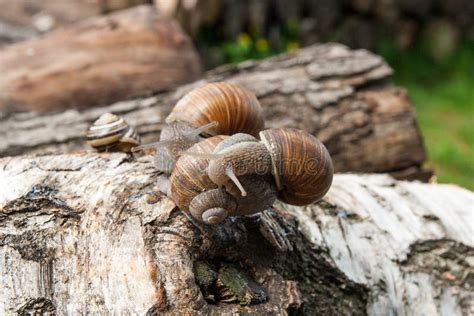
<point x="292" y="46"/>
<point x="261" y="45"/>
<point x="244" y="38"/>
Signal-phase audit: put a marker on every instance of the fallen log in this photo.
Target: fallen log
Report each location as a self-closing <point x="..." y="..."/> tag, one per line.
<point x="98" y="61"/>
<point x="23" y="19"/>
<point x="342" y="96"/>
<point x="77" y="237"/>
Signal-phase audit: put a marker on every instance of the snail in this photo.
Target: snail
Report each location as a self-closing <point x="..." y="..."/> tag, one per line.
<point x="240" y="175"/>
<point x="301" y="165"/>
<point x="193" y="190"/>
<point x="112" y="133"/>
<point x="236" y="109"/>
<point x="213" y="109"/>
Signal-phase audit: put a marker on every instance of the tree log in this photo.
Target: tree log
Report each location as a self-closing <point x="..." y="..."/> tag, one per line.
<point x="77" y="236"/>
<point x="23" y="19"/>
<point x="99" y="61"/>
<point x="342" y="96"/>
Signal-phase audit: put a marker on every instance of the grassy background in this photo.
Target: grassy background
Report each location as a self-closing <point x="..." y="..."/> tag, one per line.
<point x="443" y="93"/>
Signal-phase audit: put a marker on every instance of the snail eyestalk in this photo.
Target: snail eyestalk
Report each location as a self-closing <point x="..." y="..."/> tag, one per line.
<point x="230" y="173"/>
<point x="201" y="129"/>
<point x="170" y="142"/>
<point x="161" y="143"/>
<point x="202" y="155"/>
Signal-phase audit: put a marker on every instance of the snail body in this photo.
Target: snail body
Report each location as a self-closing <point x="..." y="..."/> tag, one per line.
<point x="174" y="139"/>
<point x="213" y="109"/>
<point x="112" y="133"/>
<point x="248" y="175"/>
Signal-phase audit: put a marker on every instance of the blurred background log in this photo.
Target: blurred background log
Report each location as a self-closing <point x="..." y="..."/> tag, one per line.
<point x="77" y="237"/>
<point x="98" y="61"/>
<point x="342" y="96"/>
<point x="22" y="19"/>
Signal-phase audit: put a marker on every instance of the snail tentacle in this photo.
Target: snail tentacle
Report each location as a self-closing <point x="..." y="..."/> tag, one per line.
<point x="161" y="143"/>
<point x="201" y="129"/>
<point x="208" y="156"/>
<point x="229" y="171"/>
<point x="189" y="137"/>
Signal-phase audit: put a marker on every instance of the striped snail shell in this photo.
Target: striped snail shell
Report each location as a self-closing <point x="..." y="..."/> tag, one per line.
<point x="112" y="133"/>
<point x="189" y="178"/>
<point x="235" y="109"/>
<point x="301" y="165"/>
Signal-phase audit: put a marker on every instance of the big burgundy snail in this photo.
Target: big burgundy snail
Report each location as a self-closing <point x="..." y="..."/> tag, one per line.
<point x="112" y="133"/>
<point x="213" y="109"/>
<point x="238" y="175"/>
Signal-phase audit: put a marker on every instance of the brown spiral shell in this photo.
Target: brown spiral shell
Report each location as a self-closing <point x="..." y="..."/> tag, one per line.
<point x="189" y="178"/>
<point x="302" y="166"/>
<point x="112" y="133"/>
<point x="236" y="109"/>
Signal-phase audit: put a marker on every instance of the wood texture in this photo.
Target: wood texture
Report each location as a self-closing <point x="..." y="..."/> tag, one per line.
<point x="76" y="236"/>
<point x="23" y="19"/>
<point x="99" y="61"/>
<point x="342" y="96"/>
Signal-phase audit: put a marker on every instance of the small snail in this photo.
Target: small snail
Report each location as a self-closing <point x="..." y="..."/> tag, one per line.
<point x="213" y="109"/>
<point x="239" y="175"/>
<point x="111" y="133"/>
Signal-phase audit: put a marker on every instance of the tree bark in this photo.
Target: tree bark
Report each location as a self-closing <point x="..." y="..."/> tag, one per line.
<point x="342" y="96"/>
<point x="77" y="235"/>
<point x="23" y="19"/>
<point x="98" y="61"/>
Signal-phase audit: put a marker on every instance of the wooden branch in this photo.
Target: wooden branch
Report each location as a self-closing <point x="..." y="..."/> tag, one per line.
<point x="99" y="61"/>
<point x="77" y="236"/>
<point x="342" y="96"/>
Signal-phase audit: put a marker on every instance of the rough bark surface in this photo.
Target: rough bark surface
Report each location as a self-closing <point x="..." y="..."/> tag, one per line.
<point x="340" y="95"/>
<point x="98" y="61"/>
<point x="77" y="236"/>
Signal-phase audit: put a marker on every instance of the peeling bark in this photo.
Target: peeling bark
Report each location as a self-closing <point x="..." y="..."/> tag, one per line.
<point x="342" y="96"/>
<point x="77" y="236"/>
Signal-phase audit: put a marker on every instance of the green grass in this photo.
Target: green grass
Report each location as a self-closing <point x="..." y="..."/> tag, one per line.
<point x="443" y="94"/>
<point x="250" y="44"/>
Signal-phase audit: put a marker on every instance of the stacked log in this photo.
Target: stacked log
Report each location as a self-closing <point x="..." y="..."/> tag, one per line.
<point x="78" y="237"/>
<point x="96" y="62"/>
<point x="23" y="19"/>
<point x="340" y="95"/>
